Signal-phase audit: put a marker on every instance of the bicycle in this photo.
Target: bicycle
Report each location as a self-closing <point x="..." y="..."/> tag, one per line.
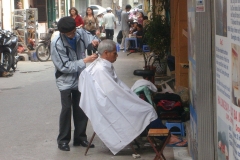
<point x="43" y="49"/>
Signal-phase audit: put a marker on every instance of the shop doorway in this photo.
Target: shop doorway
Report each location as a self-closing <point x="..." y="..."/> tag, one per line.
<point x="53" y="12"/>
<point x="81" y="6"/>
<point x="1" y="15"/>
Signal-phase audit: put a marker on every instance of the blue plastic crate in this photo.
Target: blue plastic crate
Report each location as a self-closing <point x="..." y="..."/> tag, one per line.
<point x="146" y="48"/>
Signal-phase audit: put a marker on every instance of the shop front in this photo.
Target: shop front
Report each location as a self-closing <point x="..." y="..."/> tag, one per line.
<point x="227" y="69"/>
<point x="1" y="21"/>
<point x="214" y="51"/>
<point x="201" y="84"/>
<point x="193" y="45"/>
<point x="46" y="12"/>
<point x="49" y="10"/>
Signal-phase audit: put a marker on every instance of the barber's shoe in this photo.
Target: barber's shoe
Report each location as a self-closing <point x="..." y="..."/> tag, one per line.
<point x="64" y="147"/>
<point x="83" y="143"/>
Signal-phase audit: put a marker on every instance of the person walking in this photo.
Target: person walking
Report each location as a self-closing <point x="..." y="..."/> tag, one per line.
<point x="91" y="25"/>
<point x="118" y="13"/>
<point x="125" y="24"/>
<point x="78" y="19"/>
<point x="100" y="20"/>
<point x="109" y="23"/>
<point x="68" y="56"/>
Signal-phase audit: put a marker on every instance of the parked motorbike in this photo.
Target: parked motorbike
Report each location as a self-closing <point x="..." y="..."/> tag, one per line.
<point x="8" y="50"/>
<point x="43" y="48"/>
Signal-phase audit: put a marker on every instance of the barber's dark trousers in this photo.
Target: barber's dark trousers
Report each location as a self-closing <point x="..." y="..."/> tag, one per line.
<point x="70" y="102"/>
<point x="109" y="33"/>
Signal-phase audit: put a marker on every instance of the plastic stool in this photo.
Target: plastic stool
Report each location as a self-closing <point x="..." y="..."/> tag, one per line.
<point x="180" y="125"/>
<point x="118" y="47"/>
<point x="146" y="48"/>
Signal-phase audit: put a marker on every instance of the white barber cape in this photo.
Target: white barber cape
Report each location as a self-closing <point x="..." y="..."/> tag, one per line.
<point x="117" y="114"/>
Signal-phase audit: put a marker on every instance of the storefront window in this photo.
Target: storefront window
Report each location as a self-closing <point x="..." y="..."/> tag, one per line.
<point x="1" y="24"/>
<point x="62" y="13"/>
<point x="57" y="9"/>
<point x="72" y="4"/>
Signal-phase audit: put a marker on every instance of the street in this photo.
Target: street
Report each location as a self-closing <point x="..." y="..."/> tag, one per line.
<point x="30" y="108"/>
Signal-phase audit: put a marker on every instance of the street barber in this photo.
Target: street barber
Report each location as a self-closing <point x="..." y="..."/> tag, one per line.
<point x="116" y="113"/>
<point x="68" y="55"/>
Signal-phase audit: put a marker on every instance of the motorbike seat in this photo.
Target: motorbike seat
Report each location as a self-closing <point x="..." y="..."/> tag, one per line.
<point x="143" y="73"/>
<point x="14" y="39"/>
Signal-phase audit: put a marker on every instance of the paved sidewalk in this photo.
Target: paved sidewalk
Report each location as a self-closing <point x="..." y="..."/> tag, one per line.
<point x="35" y="118"/>
<point x="41" y="144"/>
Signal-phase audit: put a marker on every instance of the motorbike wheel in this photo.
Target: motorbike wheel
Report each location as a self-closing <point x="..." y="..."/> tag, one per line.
<point x="7" y="61"/>
<point x="43" y="52"/>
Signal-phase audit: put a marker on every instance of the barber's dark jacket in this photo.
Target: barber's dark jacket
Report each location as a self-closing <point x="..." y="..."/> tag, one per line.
<point x="68" y="63"/>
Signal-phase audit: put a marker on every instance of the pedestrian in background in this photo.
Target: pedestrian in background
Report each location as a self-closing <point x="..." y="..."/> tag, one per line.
<point x="19" y="5"/>
<point x="68" y="56"/>
<point x="118" y="14"/>
<point x="100" y="20"/>
<point x="78" y="19"/>
<point x="125" y="24"/>
<point x="109" y="23"/>
<point x="140" y="18"/>
<point x="91" y="25"/>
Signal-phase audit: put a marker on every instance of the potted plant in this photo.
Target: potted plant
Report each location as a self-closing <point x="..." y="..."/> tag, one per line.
<point x="157" y="34"/>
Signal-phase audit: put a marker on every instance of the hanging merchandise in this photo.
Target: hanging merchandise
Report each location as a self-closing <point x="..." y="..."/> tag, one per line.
<point x="25" y="26"/>
<point x="19" y="16"/>
<point x="32" y="26"/>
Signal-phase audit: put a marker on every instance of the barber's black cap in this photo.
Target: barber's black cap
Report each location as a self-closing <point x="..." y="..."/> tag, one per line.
<point x="66" y="24"/>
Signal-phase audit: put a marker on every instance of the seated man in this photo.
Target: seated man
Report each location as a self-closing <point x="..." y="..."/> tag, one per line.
<point x="145" y="21"/>
<point x="117" y="114"/>
<point x="132" y="32"/>
<point x="139" y="36"/>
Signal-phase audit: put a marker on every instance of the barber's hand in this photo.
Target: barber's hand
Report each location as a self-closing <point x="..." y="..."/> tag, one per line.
<point x="95" y="43"/>
<point x="90" y="58"/>
<point x="98" y="32"/>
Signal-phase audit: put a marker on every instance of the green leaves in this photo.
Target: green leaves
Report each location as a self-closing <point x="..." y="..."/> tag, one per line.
<point x="157" y="35"/>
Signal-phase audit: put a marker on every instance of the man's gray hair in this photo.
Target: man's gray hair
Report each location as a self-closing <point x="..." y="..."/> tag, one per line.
<point x="106" y="45"/>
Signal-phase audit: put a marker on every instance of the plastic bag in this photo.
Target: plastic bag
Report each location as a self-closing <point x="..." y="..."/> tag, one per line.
<point x="183" y="93"/>
<point x="166" y="88"/>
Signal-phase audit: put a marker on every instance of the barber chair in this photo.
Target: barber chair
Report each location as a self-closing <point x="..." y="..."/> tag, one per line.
<point x="152" y="134"/>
